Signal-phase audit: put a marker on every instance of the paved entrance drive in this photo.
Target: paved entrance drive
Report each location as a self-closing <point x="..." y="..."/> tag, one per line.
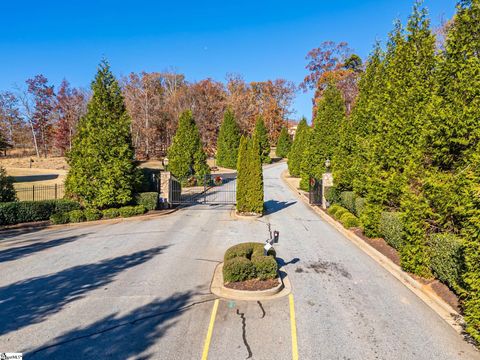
<point x="140" y="290"/>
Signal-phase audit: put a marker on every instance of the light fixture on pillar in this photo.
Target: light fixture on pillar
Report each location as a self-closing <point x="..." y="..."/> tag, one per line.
<point x="327" y="165"/>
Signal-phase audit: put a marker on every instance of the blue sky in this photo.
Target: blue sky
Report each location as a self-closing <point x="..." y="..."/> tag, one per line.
<point x="258" y="39"/>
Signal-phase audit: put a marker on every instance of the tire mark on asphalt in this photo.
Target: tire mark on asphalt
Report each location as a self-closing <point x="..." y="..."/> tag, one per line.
<point x="263" y="310"/>
<point x="244" y="333"/>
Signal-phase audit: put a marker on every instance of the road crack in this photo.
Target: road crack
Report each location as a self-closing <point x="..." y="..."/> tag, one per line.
<point x="263" y="310"/>
<point x="244" y="333"/>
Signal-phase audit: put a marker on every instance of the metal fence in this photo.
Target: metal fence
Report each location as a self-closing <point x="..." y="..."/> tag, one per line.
<point x="40" y="192"/>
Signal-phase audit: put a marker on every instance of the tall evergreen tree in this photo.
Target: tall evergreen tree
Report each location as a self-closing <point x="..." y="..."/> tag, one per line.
<point x="323" y="140"/>
<point x="261" y="134"/>
<point x="186" y="155"/>
<point x="453" y="149"/>
<point x="298" y="147"/>
<point x="284" y="143"/>
<point x="255" y="188"/>
<point x="102" y="169"/>
<point x="242" y="175"/>
<point x="228" y="141"/>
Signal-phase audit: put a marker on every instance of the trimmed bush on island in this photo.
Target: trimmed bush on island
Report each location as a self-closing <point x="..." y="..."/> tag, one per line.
<point x="247" y="261"/>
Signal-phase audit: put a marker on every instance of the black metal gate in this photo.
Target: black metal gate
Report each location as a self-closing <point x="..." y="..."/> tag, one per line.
<point x="210" y="189"/>
<point x="315" y="195"/>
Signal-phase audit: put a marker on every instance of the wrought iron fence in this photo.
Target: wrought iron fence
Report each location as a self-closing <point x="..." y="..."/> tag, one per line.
<point x="40" y="192"/>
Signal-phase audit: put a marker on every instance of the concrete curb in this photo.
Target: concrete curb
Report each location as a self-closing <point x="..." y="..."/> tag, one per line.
<point x="46" y="224"/>
<point x="444" y="310"/>
<point x="217" y="288"/>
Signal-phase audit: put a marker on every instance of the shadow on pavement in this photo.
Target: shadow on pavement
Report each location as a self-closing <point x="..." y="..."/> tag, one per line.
<point x="31" y="301"/>
<point x="119" y="337"/>
<point x="282" y="263"/>
<point x="272" y="206"/>
<point x="20" y="251"/>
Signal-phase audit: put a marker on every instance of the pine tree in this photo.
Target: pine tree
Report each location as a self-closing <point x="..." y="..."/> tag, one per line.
<point x="323" y="141"/>
<point x="102" y="168"/>
<point x="186" y="155"/>
<point x="7" y="191"/>
<point x="261" y="134"/>
<point x="284" y="144"/>
<point x="298" y="147"/>
<point x="228" y="141"/>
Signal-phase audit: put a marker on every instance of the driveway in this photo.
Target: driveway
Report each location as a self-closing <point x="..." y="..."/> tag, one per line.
<point x="139" y="289"/>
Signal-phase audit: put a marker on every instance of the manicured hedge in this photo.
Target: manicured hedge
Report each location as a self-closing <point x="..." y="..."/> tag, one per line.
<point x="60" y="218"/>
<point x="332" y="210"/>
<point x="148" y="199"/>
<point x="27" y="211"/>
<point x="359" y="206"/>
<point x="76" y="216"/>
<point x="392" y="229"/>
<point x="253" y="263"/>
<point x="266" y="267"/>
<point x="110" y="213"/>
<point x="128" y="211"/>
<point x="447" y="259"/>
<point x="238" y="269"/>
<point x="349" y="220"/>
<point x="92" y="214"/>
<point x="347" y="200"/>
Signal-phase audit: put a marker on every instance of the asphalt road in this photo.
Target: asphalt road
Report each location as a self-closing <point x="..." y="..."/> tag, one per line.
<point x="139" y="289"/>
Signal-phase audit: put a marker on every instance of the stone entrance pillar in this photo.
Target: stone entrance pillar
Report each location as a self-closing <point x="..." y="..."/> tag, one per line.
<point x="165" y="188"/>
<point x="327" y="181"/>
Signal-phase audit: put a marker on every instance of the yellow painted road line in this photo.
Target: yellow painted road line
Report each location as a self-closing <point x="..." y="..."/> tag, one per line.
<point x="293" y="328"/>
<point x="206" y="346"/>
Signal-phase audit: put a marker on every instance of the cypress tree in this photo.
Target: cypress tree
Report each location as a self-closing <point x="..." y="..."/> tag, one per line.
<point x="298" y="147"/>
<point x="186" y="155"/>
<point x="228" y="141"/>
<point x="255" y="188"/>
<point x="323" y="140"/>
<point x="284" y="143"/>
<point x="453" y="150"/>
<point x="102" y="169"/>
<point x="261" y="134"/>
<point x="242" y="175"/>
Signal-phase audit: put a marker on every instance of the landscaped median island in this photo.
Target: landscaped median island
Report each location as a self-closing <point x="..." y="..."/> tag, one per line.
<point x="246" y="267"/>
<point x="248" y="274"/>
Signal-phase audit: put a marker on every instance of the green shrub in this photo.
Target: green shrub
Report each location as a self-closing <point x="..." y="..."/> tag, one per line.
<point x="359" y="206"/>
<point x="110" y="213"/>
<point x="247" y="250"/>
<point x="148" y="199"/>
<point x="59" y="218"/>
<point x="238" y="269"/>
<point x="333" y="209"/>
<point x="392" y="229"/>
<point x="266" y="267"/>
<point x="64" y="206"/>
<point x="92" y="214"/>
<point x="28" y="211"/>
<point x="447" y="261"/>
<point x="340" y="212"/>
<point x="347" y="200"/>
<point x="349" y="220"/>
<point x="127" y="211"/>
<point x="76" y="216"/>
<point x="332" y="195"/>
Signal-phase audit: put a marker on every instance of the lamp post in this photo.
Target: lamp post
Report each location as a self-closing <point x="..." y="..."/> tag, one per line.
<point x="327" y="165"/>
<point x="165" y="163"/>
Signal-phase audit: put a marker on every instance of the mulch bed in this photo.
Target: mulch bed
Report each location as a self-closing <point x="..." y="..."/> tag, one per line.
<point x="253" y="284"/>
